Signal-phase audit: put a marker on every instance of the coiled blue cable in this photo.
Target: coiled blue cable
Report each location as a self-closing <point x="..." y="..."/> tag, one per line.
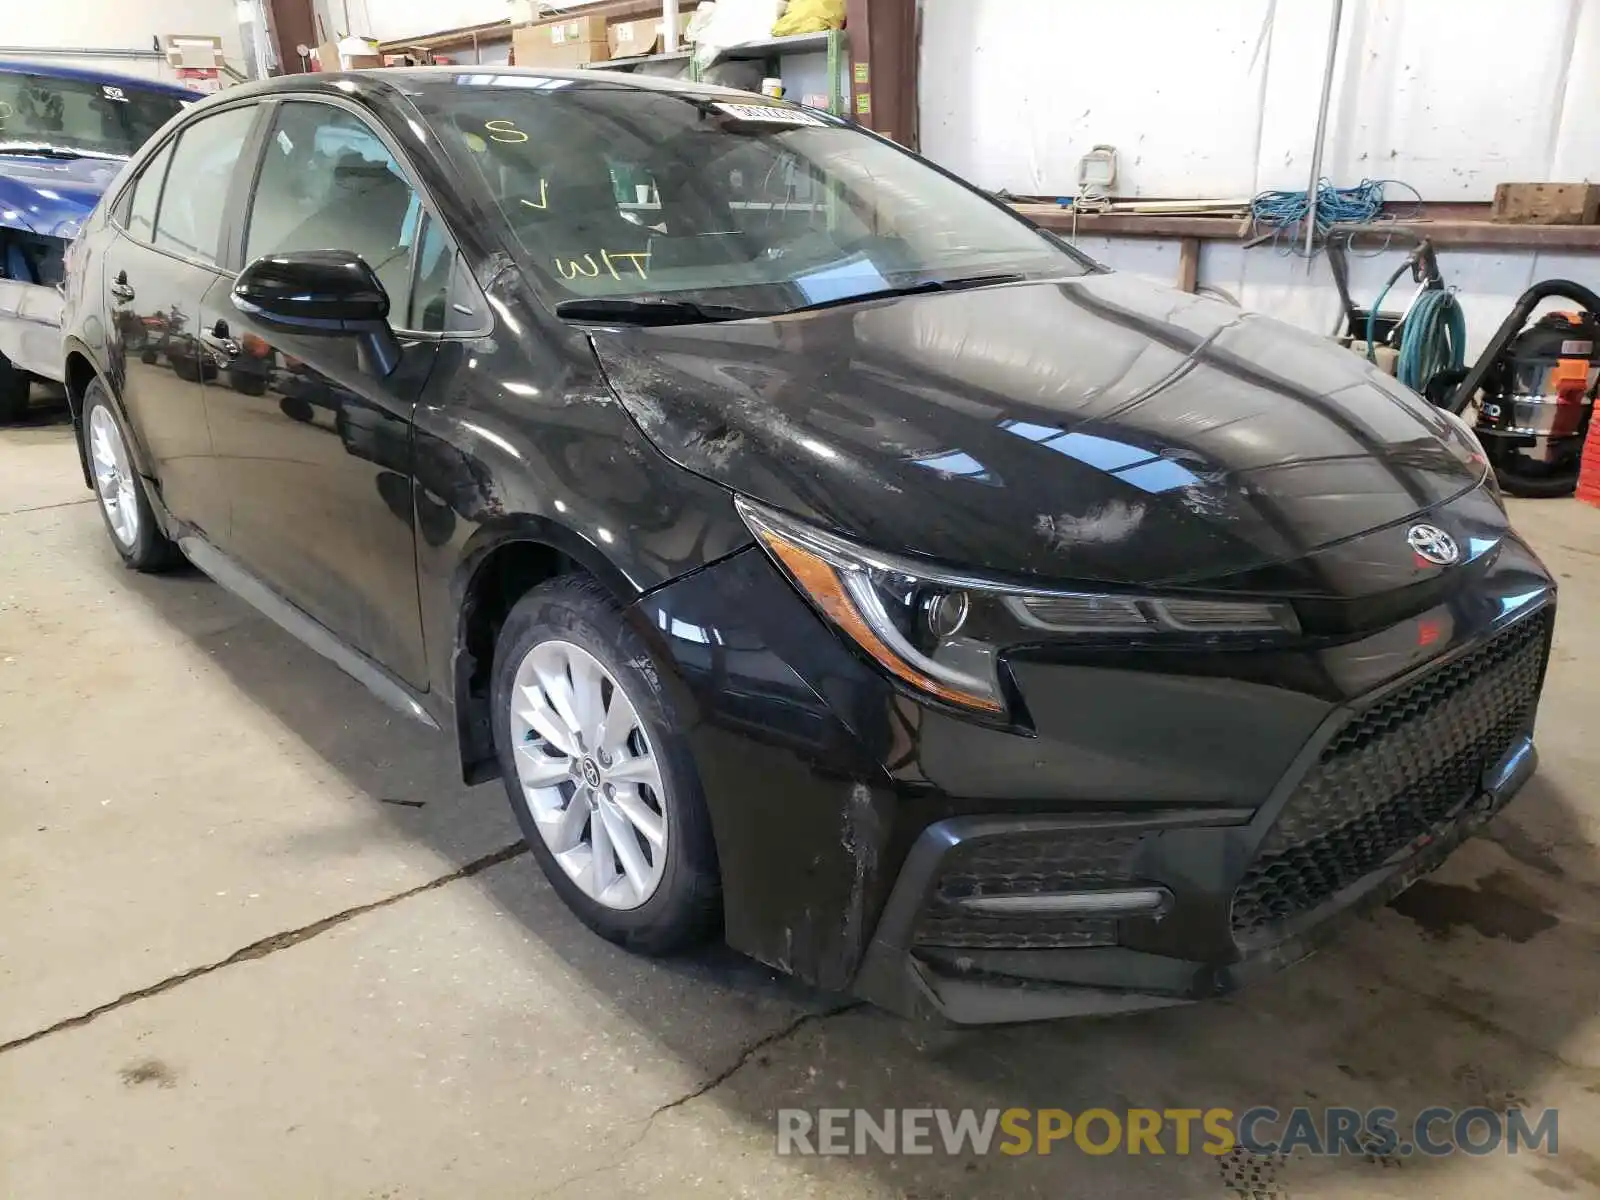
<point x="1285" y="211"/>
<point x="1432" y="339"/>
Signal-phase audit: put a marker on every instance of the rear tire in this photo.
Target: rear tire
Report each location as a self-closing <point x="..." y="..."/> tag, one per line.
<point x="15" y="385"/>
<point x="120" y="489"/>
<point x="568" y="639"/>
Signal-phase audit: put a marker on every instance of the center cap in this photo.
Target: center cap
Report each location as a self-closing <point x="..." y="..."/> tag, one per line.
<point x="591" y="773"/>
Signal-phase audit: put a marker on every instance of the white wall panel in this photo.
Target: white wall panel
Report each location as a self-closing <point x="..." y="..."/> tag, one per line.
<point x="1220" y="98"/>
<point x="1452" y="96"/>
<point x="1575" y="152"/>
<point x="1014" y="92"/>
<point x="389" y="20"/>
<point x="118" y="25"/>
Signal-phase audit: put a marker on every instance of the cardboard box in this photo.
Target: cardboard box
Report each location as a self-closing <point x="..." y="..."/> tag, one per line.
<point x="1546" y="204"/>
<point x="409" y="56"/>
<point x="538" y="46"/>
<point x="628" y="39"/>
<point x="579" y="29"/>
<point x="348" y="54"/>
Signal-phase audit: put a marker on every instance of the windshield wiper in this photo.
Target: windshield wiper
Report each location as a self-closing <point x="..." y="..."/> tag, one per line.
<point x="626" y="311"/>
<point x="46" y="150"/>
<point x="916" y="289"/>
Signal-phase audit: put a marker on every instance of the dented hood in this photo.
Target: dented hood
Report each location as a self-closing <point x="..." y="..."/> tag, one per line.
<point x="52" y="195"/>
<point x="1100" y="428"/>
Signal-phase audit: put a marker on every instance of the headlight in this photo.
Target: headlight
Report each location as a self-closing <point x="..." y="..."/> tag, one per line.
<point x="942" y="632"/>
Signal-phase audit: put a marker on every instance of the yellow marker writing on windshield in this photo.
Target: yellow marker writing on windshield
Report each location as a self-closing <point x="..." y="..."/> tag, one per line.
<point x="573" y="269"/>
<point x="504" y="131"/>
<point x="544" y="197"/>
<point x="632" y="256"/>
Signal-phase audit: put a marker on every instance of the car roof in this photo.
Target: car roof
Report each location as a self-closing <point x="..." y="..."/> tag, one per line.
<point x="95" y="76"/>
<point x="11" y="66"/>
<point x="432" y="80"/>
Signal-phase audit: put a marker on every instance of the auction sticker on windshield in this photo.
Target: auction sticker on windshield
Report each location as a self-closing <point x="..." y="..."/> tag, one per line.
<point x="770" y="113"/>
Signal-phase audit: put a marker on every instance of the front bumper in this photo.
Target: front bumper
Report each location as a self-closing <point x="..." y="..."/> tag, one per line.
<point x="1258" y="797"/>
<point x="971" y="986"/>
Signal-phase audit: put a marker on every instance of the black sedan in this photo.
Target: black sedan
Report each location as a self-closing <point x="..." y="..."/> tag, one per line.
<point x="822" y="555"/>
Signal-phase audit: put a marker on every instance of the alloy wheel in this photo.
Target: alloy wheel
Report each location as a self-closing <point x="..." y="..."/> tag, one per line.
<point x="113" y="476"/>
<point x="588" y="774"/>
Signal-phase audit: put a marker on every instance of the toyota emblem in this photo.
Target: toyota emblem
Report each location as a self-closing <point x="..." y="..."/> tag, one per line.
<point x="1433" y="545"/>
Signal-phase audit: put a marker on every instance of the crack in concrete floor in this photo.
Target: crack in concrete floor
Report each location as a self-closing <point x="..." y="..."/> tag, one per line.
<point x="273" y="943"/>
<point x="17" y="512"/>
<point x="270" y="944"/>
<point x="617" y="1160"/>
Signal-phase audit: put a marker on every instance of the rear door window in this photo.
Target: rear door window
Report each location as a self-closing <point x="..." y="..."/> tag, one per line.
<point x="190" y="218"/>
<point x="141" y="219"/>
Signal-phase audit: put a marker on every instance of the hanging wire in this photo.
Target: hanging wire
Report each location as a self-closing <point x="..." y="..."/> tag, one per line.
<point x="1284" y="212"/>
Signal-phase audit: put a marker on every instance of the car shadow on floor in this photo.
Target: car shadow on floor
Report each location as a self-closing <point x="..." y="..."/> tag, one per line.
<point x="1469" y="991"/>
<point x="47" y="405"/>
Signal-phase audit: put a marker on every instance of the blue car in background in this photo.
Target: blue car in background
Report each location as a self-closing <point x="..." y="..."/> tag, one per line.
<point x="64" y="134"/>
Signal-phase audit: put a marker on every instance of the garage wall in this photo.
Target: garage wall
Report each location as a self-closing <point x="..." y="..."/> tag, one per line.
<point x="123" y="25"/>
<point x="1219" y="99"/>
<point x="388" y="20"/>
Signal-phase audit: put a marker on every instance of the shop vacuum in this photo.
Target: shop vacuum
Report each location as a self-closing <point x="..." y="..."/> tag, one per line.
<point x="1531" y="393"/>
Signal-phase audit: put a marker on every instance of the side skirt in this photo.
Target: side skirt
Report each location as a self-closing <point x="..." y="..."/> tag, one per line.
<point x="307" y="629"/>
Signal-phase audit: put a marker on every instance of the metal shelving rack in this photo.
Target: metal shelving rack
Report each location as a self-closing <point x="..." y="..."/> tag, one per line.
<point x="766" y="49"/>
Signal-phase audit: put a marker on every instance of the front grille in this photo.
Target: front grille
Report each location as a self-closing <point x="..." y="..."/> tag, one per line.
<point x="1394" y="772"/>
<point x="1012" y="864"/>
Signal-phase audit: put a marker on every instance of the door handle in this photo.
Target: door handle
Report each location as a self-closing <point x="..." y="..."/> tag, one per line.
<point x="220" y="340"/>
<point x="120" y="288"/>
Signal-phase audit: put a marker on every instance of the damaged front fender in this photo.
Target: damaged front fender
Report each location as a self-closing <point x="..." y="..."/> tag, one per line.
<point x="808" y="825"/>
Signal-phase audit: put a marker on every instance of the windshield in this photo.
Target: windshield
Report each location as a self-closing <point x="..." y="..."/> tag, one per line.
<point x="618" y="191"/>
<point x="43" y="113"/>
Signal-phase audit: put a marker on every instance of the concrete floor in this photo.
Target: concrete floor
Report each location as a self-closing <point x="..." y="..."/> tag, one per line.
<point x="255" y="941"/>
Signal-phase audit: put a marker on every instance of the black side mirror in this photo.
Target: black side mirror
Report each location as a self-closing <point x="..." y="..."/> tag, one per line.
<point x="326" y="293"/>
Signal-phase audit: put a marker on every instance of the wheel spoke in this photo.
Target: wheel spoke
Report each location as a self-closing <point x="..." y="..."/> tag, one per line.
<point x="537" y="713"/>
<point x="102" y="452"/>
<point x="645" y="819"/>
<point x="558" y="691"/>
<point x="621" y="721"/>
<point x="642" y="769"/>
<point x="588" y="709"/>
<point x="565" y="830"/>
<point x="602" y="870"/>
<point x="626" y="844"/>
<point x="537" y="769"/>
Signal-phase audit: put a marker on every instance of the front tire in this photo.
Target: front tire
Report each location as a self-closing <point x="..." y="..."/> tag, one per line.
<point x="599" y="772"/>
<point x="15" y="385"/>
<point x="120" y="488"/>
